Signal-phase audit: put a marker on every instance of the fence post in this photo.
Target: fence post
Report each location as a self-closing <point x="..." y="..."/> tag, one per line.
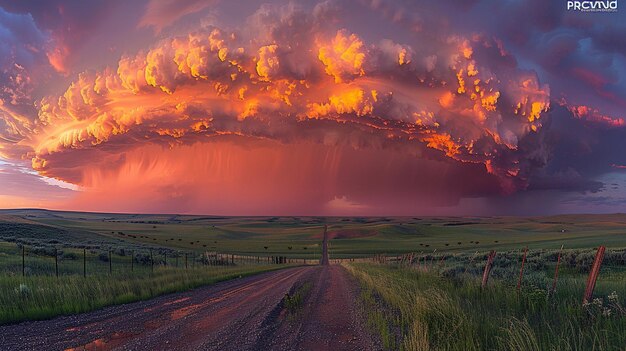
<point x="490" y="259"/>
<point x="56" y="262"/>
<point x="151" y="261"/>
<point x="186" y="261"/>
<point x="165" y="257"/>
<point x="521" y="271"/>
<point x="177" y="260"/>
<point x="556" y="270"/>
<point x="84" y="263"/>
<point x="132" y="261"/>
<point x="232" y="257"/>
<point x="593" y="275"/>
<point x="23" y="260"/>
<point x="110" y="263"/>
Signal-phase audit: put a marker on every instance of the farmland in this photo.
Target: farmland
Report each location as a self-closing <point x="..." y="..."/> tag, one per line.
<point x="300" y="236"/>
<point x="418" y="279"/>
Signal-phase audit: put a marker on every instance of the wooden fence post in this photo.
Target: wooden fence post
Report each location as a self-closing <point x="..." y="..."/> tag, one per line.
<point x="593" y="275"/>
<point x="23" y="260"/>
<point x="186" y="266"/>
<point x="490" y="258"/>
<point x="151" y="261"/>
<point x="556" y="270"/>
<point x="132" y="261"/>
<point x="110" y="263"/>
<point x="84" y="263"/>
<point x="521" y="271"/>
<point x="165" y="258"/>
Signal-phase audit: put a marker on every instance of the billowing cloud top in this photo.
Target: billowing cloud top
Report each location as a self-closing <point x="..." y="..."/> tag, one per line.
<point x="211" y="112"/>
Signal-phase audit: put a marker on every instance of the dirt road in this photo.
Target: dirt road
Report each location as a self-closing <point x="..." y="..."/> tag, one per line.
<point x="324" y="260"/>
<point x="242" y="314"/>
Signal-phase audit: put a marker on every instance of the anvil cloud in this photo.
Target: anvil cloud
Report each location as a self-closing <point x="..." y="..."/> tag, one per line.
<point x="306" y="108"/>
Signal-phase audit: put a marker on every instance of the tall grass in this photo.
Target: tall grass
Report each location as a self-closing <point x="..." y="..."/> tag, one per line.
<point x="42" y="297"/>
<point x="433" y="312"/>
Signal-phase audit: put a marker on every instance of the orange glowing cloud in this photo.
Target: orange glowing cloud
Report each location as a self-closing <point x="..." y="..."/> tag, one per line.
<point x="319" y="84"/>
<point x="593" y="115"/>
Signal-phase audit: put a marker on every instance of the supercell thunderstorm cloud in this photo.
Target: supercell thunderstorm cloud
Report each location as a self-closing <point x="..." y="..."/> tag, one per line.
<point x="305" y="107"/>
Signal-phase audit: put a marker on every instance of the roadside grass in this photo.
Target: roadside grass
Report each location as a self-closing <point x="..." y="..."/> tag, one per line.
<point x="294" y="301"/>
<point x="434" y="312"/>
<point x="380" y="319"/>
<point x="44" y="297"/>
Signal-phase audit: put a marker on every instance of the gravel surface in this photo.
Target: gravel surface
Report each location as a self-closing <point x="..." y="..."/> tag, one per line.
<point x="241" y="314"/>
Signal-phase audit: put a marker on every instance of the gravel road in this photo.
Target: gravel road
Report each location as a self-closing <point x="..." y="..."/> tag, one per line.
<point x="241" y="314"/>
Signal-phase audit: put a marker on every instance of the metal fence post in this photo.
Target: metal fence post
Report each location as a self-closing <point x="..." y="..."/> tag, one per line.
<point x="521" y="271"/>
<point x="556" y="270"/>
<point x="56" y="262"/>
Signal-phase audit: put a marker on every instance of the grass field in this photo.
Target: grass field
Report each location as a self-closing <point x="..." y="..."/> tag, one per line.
<point x="423" y="310"/>
<point x="459" y="241"/>
<point x="300" y="236"/>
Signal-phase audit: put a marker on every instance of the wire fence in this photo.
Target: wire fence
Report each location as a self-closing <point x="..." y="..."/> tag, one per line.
<point x="519" y="267"/>
<point x="19" y="259"/>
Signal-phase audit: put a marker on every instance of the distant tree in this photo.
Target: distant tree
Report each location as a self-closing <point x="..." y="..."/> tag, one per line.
<point x="265" y="247"/>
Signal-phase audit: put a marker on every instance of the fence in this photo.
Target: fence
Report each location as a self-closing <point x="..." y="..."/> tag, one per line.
<point x="507" y="264"/>
<point x="19" y="259"/>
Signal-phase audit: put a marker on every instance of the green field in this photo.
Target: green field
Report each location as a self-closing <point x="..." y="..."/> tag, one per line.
<point x="129" y="257"/>
<point x="300" y="236"/>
